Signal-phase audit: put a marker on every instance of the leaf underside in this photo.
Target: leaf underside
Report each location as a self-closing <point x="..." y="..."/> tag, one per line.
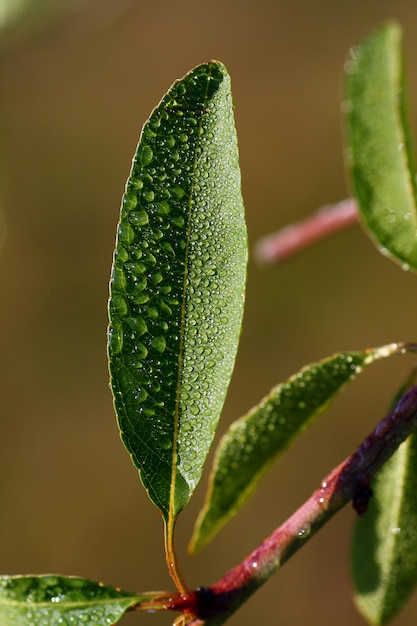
<point x="379" y="152"/>
<point x="67" y="601"/>
<point x="254" y="442"/>
<point x="177" y="287"/>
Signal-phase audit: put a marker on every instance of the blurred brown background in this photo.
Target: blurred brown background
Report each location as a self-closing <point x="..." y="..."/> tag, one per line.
<point x="74" y="94"/>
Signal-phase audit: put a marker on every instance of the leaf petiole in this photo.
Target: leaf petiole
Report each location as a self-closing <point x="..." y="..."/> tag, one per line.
<point x="171" y="558"/>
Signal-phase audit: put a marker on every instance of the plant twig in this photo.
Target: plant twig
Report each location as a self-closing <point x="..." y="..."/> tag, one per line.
<point x="349" y="481"/>
<point x="294" y="238"/>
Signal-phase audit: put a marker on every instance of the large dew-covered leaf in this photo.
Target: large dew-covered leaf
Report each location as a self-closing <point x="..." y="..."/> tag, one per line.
<point x="177" y="287"/>
<point x="384" y="546"/>
<point x="254" y="442"/>
<point x="379" y="151"/>
<point x="52" y="600"/>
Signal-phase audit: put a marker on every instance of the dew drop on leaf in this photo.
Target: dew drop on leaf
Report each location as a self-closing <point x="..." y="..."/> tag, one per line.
<point x="146" y="155"/>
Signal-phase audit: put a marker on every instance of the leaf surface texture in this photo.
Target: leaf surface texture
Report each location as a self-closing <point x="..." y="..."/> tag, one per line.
<point x="177" y="287"/>
<point x="379" y="153"/>
<point x="255" y="441"/>
<point x="384" y="543"/>
<point x="65" y="601"/>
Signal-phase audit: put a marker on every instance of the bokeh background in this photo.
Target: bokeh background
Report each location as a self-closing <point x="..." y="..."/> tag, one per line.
<point x="76" y="84"/>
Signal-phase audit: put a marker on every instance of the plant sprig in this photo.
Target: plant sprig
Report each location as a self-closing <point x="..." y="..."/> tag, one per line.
<point x="176" y="304"/>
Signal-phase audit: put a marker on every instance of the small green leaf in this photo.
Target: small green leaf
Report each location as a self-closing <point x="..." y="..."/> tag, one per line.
<point x="384" y="547"/>
<point x="254" y="442"/>
<point x="177" y="287"/>
<point x="379" y="151"/>
<point x="51" y="600"/>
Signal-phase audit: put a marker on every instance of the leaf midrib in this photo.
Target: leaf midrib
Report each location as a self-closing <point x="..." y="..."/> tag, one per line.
<point x="66" y="604"/>
<point x="400" y="461"/>
<point x="171" y="509"/>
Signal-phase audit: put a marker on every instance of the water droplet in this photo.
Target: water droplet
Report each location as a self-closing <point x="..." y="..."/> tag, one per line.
<point x="138" y="324"/>
<point x="119" y="305"/>
<point x="126" y="233"/>
<point x="141" y="351"/>
<point x="156" y="278"/>
<point x="168" y="249"/>
<point x="146" y="155"/>
<point x="129" y="201"/>
<point x="386" y="351"/>
<point x="163" y="208"/>
<point x="166" y="443"/>
<point x="159" y="343"/>
<point x="395" y="531"/>
<point x="139" y="218"/>
<point x="122" y="254"/>
<point x="149" y="195"/>
<point x="304" y="532"/>
<point x="351" y="67"/>
<point x="152" y="312"/>
<point x="179" y="192"/>
<point x="119" y="278"/>
<point x="155" y="121"/>
<point x="356" y="52"/>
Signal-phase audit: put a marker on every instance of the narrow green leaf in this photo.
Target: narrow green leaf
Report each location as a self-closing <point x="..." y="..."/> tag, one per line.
<point x="384" y="546"/>
<point x="51" y="600"/>
<point x="379" y="151"/>
<point x="254" y="442"/>
<point x="177" y="287"/>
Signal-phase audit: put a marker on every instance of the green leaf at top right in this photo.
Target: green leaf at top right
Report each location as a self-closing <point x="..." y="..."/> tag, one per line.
<point x="379" y="154"/>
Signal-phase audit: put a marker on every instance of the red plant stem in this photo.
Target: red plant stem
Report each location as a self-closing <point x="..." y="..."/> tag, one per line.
<point x="349" y="481"/>
<point x="294" y="238"/>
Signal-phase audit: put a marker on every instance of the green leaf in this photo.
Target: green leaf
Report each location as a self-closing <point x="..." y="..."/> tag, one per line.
<point x="379" y="151"/>
<point x="384" y="547"/>
<point x="68" y="601"/>
<point x="254" y="442"/>
<point x="177" y="287"/>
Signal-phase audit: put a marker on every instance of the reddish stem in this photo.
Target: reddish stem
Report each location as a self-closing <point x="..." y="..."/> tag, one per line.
<point x="349" y="481"/>
<point x="294" y="238"/>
